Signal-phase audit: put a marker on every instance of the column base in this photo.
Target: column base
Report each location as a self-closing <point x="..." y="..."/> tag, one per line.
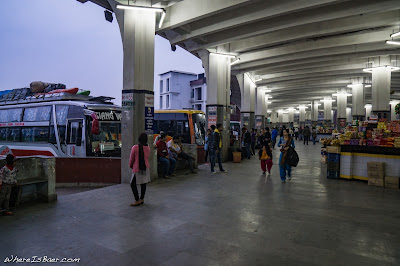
<point x="382" y="114"/>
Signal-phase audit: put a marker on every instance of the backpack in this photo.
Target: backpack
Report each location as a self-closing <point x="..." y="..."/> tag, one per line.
<point x="292" y="157"/>
<point x="247" y="137"/>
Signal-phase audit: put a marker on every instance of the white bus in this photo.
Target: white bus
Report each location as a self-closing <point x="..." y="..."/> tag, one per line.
<point x="60" y="126"/>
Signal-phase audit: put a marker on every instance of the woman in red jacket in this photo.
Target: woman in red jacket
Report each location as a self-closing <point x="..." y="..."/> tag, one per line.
<point x="139" y="163"/>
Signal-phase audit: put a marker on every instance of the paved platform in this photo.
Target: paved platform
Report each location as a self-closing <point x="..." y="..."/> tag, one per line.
<point x="237" y="218"/>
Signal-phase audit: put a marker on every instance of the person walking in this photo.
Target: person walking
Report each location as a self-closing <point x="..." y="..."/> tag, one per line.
<point x="301" y="131"/>
<point x="207" y="145"/>
<point x="8" y="180"/>
<point x="314" y="135"/>
<point x="296" y="133"/>
<point x="139" y="163"/>
<point x="284" y="143"/>
<point x="265" y="156"/>
<point x="216" y="149"/>
<point x="253" y="141"/>
<point x="274" y="135"/>
<point x="306" y="134"/>
<point x="168" y="164"/>
<point x="247" y="142"/>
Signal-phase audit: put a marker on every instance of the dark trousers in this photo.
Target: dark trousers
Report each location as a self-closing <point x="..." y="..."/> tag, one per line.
<point x="306" y="139"/>
<point x="135" y="190"/>
<point x="248" y="151"/>
<point x="213" y="157"/>
<point x="186" y="157"/>
<point x="5" y="193"/>
<point x="206" y="157"/>
<point x="253" y="148"/>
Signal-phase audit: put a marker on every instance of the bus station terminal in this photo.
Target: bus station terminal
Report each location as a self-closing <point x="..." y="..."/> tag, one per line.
<point x="309" y="90"/>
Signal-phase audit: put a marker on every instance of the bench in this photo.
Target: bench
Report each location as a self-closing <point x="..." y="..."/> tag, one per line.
<point x="28" y="183"/>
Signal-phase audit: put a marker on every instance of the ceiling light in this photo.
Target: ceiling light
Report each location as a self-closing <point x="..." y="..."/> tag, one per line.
<point x="393" y="42"/>
<point x="395" y="34"/>
<point x="346" y="94"/>
<point x="225" y="55"/>
<point x="392" y="68"/>
<point x="269" y="111"/>
<point x="162" y="19"/>
<point x="154" y="9"/>
<point x="269" y="102"/>
<point x="236" y="61"/>
<point x="257" y="80"/>
<point x="368" y="86"/>
<point x="368" y="106"/>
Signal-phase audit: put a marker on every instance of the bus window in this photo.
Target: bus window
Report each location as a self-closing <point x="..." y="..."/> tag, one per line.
<point x="10" y="134"/>
<point x="41" y="113"/>
<point x="35" y="134"/>
<point x="11" y="115"/>
<point x="61" y="114"/>
<point x="73" y="132"/>
<point x="199" y="123"/>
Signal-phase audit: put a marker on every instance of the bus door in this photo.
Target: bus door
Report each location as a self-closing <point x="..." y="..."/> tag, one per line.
<point x="75" y="140"/>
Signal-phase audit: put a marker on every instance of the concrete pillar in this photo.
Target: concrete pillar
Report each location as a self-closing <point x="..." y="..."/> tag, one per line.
<point x="393" y="115"/>
<point x="341" y="109"/>
<point x="291" y="115"/>
<point x="327" y="110"/>
<point x="280" y="116"/>
<point x="137" y="29"/>
<point x="248" y="91"/>
<point x="218" y="72"/>
<point x="368" y="110"/>
<point x="358" y="101"/>
<point x="261" y="110"/>
<point x="381" y="77"/>
<point x="314" y="113"/>
<point x="349" y="117"/>
<point x="302" y="115"/>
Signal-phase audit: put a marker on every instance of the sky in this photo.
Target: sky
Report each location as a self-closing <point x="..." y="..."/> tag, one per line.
<point x="64" y="41"/>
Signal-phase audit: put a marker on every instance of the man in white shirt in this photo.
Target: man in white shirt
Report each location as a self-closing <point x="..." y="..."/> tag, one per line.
<point x="173" y="147"/>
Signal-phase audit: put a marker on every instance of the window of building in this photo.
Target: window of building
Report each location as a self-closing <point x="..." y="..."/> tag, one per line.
<point x="161" y="103"/>
<point x="161" y="86"/>
<point x="198" y="94"/>
<point x="198" y="106"/>
<point x="192" y="94"/>
<point x="167" y="84"/>
<point x="193" y="106"/>
<point x="167" y="102"/>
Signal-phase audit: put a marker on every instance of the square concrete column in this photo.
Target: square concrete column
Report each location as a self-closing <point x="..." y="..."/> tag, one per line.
<point x="138" y="32"/>
<point x="314" y="113"/>
<point x="248" y="101"/>
<point x="327" y="111"/>
<point x="302" y="115"/>
<point x="218" y="72"/>
<point x="368" y="110"/>
<point x="381" y="79"/>
<point x="261" y="110"/>
<point x="358" y="98"/>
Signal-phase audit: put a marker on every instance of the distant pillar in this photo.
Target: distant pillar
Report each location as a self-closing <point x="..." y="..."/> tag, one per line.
<point x="348" y="114"/>
<point x="280" y="116"/>
<point x="327" y="111"/>
<point x="137" y="32"/>
<point x="341" y="109"/>
<point x="358" y="98"/>
<point x="381" y="78"/>
<point x="314" y="113"/>
<point x="248" y="90"/>
<point x="218" y="72"/>
<point x="368" y="110"/>
<point x="302" y="115"/>
<point x="261" y="110"/>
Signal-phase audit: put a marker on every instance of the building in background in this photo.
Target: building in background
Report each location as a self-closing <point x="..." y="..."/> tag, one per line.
<point x="180" y="90"/>
<point x="199" y="93"/>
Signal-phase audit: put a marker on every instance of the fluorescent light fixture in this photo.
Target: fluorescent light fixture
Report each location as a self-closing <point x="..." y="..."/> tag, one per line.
<point x="257" y="80"/>
<point x="236" y="61"/>
<point x="225" y="55"/>
<point x="394" y="102"/>
<point x="392" y="68"/>
<point x="161" y="19"/>
<point x="393" y="42"/>
<point x="269" y="102"/>
<point x="154" y="9"/>
<point x="328" y="100"/>
<point x="368" y="86"/>
<point x="346" y="94"/>
<point x="269" y="111"/>
<point x="297" y="112"/>
<point x="395" y="34"/>
<point x="368" y="106"/>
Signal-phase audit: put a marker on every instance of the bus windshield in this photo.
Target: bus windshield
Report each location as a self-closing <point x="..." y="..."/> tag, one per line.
<point x="199" y="123"/>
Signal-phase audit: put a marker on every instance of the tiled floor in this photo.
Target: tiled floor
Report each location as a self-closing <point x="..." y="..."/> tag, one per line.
<point x="237" y="218"/>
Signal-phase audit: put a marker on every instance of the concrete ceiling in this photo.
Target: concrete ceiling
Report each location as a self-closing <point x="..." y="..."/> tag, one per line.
<point x="302" y="49"/>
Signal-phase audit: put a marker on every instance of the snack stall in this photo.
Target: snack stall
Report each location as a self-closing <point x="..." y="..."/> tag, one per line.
<point x="374" y="141"/>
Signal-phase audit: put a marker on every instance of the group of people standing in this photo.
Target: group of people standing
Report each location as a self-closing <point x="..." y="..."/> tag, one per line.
<point x="213" y="147"/>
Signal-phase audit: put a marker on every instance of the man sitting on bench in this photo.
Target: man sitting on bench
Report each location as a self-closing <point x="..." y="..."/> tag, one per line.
<point x="176" y="152"/>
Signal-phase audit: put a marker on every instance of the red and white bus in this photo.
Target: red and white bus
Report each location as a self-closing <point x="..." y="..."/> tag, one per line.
<point x="60" y="126"/>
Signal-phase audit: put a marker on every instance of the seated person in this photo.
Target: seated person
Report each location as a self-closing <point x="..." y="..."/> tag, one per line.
<point x="166" y="161"/>
<point x="176" y="152"/>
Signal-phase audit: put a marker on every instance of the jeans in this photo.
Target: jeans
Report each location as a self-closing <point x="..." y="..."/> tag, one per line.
<point x="306" y="139"/>
<point x="273" y="143"/>
<point x="168" y="165"/>
<point x="213" y="157"/>
<point x="283" y="169"/>
<point x="248" y="152"/>
<point x="135" y="190"/>
<point x="314" y="140"/>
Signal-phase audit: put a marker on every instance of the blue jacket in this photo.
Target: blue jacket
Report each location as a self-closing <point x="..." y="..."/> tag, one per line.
<point x="274" y="134"/>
